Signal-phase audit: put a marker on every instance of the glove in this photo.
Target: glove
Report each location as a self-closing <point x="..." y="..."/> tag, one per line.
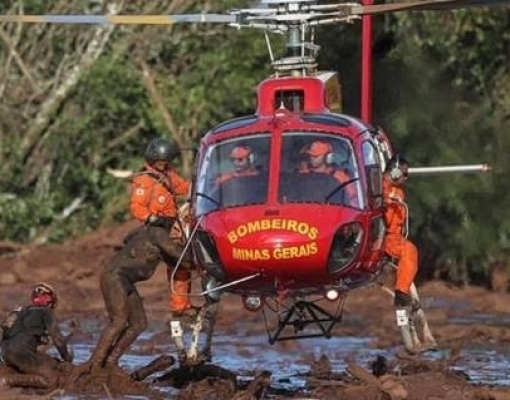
<point x="151" y="219"/>
<point x="163" y="222"/>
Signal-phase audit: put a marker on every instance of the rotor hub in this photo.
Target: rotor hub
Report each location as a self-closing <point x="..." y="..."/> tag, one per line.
<point x="297" y="19"/>
<point x="300" y="66"/>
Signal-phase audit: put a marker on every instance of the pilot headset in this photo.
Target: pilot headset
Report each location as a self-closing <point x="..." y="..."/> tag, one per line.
<point x="395" y="171"/>
<point x="251" y="158"/>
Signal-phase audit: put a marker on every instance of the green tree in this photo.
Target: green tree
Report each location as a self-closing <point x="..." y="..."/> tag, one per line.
<point x="448" y="107"/>
<point x="148" y="81"/>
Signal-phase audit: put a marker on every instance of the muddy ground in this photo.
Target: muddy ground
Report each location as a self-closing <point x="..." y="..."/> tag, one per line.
<point x="73" y="269"/>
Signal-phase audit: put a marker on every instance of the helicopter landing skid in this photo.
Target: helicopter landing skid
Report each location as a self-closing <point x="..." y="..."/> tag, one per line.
<point x="415" y="331"/>
<point x="301" y="315"/>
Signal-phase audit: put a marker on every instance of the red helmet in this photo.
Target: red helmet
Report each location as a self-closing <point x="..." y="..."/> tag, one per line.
<point x="43" y="295"/>
<point x="319" y="148"/>
<point x="240" y="152"/>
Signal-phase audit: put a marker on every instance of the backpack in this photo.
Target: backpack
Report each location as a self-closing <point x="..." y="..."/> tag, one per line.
<point x="7" y="327"/>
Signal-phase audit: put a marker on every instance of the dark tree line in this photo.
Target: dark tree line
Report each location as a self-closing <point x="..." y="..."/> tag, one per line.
<point x="78" y="101"/>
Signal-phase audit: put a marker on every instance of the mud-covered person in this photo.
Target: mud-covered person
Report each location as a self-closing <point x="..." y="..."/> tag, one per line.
<point x="153" y="196"/>
<point x="136" y="261"/>
<point x="23" y="332"/>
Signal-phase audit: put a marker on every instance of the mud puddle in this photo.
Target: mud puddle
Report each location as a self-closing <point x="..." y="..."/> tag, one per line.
<point x="246" y="353"/>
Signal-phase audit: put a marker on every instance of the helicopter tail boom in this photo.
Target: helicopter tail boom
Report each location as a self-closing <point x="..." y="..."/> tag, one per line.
<point x="466" y="168"/>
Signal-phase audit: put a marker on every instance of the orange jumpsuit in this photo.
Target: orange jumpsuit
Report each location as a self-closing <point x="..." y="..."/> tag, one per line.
<point x="153" y="192"/>
<point x="396" y="244"/>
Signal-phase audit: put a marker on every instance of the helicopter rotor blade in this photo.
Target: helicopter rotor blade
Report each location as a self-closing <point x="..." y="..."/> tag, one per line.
<point x="122" y="19"/>
<point x="425" y="5"/>
<point x="288" y="13"/>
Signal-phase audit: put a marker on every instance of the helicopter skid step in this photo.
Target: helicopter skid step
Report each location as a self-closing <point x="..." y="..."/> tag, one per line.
<point x="300" y="316"/>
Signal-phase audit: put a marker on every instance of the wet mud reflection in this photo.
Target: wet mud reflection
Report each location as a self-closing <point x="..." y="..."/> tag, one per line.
<point x="246" y="353"/>
<point x="471" y="327"/>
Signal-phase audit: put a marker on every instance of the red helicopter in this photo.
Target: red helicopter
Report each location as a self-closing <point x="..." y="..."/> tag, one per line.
<point x="286" y="240"/>
<point x="282" y="239"/>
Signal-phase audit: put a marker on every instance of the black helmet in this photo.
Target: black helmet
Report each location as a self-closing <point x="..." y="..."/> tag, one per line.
<point x="160" y="150"/>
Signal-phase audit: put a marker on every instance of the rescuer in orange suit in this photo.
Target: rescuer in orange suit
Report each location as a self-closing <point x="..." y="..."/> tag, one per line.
<point x="242" y="160"/>
<point x="396" y="216"/>
<point x="317" y="163"/>
<point x="153" y="202"/>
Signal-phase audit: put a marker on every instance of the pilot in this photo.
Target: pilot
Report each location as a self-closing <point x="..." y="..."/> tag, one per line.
<point x="316" y="162"/>
<point x="242" y="159"/>
<point x="153" y="201"/>
<point x="396" y="216"/>
<point x="23" y="331"/>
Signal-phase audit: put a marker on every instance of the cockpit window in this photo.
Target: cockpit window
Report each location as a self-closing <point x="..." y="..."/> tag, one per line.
<point x="293" y="100"/>
<point x="234" y="173"/>
<point x="319" y="168"/>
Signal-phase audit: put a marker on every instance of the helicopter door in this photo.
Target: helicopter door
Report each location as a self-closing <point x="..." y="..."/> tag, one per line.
<point x="372" y="163"/>
<point x="319" y="168"/>
<point x="234" y="173"/>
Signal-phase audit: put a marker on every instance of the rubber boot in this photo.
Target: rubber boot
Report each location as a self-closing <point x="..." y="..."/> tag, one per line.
<point x="209" y="324"/>
<point x="403" y="300"/>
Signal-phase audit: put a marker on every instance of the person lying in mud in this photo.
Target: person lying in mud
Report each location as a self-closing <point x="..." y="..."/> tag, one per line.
<point x="23" y="331"/>
<point x="136" y="261"/>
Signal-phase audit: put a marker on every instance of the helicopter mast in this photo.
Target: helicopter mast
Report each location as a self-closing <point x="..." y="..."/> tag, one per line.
<point x="301" y="56"/>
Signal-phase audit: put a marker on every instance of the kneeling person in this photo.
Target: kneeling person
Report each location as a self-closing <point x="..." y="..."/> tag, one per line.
<point x="23" y="331"/>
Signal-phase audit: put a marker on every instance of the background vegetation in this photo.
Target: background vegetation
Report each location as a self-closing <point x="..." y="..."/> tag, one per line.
<point x="76" y="101"/>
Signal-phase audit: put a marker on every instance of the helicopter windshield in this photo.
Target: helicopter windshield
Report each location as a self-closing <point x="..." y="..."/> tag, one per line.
<point x="319" y="168"/>
<point x="234" y="173"/>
